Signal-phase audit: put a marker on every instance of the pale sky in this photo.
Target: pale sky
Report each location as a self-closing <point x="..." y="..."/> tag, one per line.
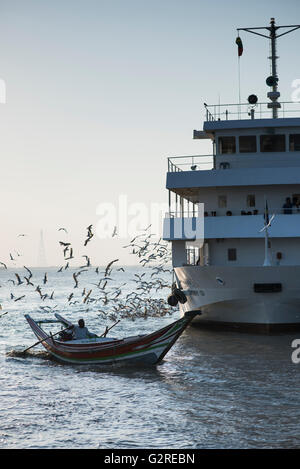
<point x="100" y="93"/>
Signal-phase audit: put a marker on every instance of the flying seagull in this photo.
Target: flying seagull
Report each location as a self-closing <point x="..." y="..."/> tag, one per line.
<point x="19" y="279"/>
<point x="108" y="266"/>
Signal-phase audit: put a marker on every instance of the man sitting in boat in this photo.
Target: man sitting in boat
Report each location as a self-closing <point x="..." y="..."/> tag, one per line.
<point x="82" y="332"/>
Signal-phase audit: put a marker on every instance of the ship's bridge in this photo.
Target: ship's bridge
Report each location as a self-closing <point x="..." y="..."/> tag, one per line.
<point x="254" y="156"/>
<point x="245" y="147"/>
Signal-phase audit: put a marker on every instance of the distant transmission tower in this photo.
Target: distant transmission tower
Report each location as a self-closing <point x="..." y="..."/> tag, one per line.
<point x="41" y="261"/>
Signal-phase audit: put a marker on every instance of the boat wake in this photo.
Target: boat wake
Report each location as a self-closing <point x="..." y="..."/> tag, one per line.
<point x="16" y="353"/>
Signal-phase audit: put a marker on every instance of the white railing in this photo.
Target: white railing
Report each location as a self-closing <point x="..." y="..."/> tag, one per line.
<point x="223" y="212"/>
<point x="190" y="163"/>
<point x="215" y="112"/>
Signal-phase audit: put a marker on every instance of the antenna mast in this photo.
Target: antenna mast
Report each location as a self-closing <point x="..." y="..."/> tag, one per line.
<point x="273" y="80"/>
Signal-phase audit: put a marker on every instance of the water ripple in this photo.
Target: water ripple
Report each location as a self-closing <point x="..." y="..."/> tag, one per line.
<point x="213" y="390"/>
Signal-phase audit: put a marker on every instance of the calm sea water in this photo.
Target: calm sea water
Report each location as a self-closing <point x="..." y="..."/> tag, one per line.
<point x="213" y="390"/>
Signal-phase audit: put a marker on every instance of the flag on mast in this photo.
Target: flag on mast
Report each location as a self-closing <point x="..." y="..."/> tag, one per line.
<point x="239" y="43"/>
<point x="266" y="214"/>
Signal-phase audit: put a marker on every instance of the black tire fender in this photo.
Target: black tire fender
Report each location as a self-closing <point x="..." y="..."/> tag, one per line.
<point x="172" y="300"/>
<point x="180" y="296"/>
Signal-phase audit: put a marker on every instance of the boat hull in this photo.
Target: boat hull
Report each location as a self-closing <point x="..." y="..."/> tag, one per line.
<point x="227" y="298"/>
<point x="147" y="349"/>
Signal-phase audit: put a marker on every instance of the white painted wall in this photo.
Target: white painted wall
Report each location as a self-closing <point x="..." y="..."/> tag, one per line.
<point x="283" y="226"/>
<point x="178" y="253"/>
<point x="251" y="252"/>
<point x="258" y="159"/>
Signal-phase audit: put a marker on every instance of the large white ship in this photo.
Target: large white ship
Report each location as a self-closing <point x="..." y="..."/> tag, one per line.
<point x="246" y="273"/>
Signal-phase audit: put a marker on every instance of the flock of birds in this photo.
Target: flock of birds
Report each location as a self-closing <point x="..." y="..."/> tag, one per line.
<point x="104" y="296"/>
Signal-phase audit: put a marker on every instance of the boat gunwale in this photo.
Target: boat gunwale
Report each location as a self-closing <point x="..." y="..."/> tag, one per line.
<point x="163" y="339"/>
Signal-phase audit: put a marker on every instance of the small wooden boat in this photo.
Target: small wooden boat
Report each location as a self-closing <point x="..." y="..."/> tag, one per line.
<point x="147" y="349"/>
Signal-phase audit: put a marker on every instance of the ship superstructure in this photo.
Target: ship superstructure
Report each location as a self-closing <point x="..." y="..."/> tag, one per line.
<point x="246" y="272"/>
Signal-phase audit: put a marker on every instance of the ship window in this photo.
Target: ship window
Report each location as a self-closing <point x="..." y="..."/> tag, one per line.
<point x="247" y="144"/>
<point x="232" y="254"/>
<point x="295" y="142"/>
<point x="272" y="143"/>
<point x="222" y="201"/>
<point x="251" y="200"/>
<point x="226" y="145"/>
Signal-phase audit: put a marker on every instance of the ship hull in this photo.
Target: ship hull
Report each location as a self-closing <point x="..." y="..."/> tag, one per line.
<point x="230" y="297"/>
